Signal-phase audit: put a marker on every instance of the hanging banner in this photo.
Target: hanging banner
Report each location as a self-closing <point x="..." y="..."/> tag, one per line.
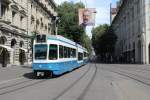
<point x="87" y="16"/>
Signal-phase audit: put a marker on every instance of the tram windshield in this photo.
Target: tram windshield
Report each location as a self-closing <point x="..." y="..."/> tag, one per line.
<point x="41" y="51"/>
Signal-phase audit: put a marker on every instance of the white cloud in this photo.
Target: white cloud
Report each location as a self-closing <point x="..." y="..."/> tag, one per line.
<point x="60" y="1"/>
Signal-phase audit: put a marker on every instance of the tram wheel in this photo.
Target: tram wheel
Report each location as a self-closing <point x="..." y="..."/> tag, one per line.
<point x="48" y="74"/>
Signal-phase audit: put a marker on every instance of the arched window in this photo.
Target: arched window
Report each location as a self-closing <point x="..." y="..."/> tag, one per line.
<point x="13" y="43"/>
<point x="21" y="44"/>
<point x="3" y="40"/>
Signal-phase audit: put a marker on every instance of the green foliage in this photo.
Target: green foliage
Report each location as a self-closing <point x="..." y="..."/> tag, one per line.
<point x="104" y="40"/>
<point x="68" y="26"/>
<point x="86" y="42"/>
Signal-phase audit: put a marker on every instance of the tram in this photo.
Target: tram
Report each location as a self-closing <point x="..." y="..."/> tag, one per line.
<point x="55" y="55"/>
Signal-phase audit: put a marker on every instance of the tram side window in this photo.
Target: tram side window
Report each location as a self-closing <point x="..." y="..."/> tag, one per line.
<point x="53" y="55"/>
<point x="74" y="53"/>
<point x="65" y="52"/>
<point x="80" y="56"/>
<point x="68" y="54"/>
<point x="71" y="53"/>
<point x="85" y="54"/>
<point x="61" y="51"/>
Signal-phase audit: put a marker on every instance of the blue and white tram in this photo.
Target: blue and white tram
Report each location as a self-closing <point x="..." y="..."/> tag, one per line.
<point x="85" y="56"/>
<point x="55" y="55"/>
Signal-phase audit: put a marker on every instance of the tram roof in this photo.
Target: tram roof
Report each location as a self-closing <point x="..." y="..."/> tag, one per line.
<point x="63" y="39"/>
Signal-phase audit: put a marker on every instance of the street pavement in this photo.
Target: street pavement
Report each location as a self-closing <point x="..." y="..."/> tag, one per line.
<point x="89" y="82"/>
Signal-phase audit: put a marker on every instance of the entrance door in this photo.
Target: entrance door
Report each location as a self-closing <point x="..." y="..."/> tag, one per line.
<point x="4" y="57"/>
<point x="22" y="56"/>
<point x="139" y="52"/>
<point x="149" y="53"/>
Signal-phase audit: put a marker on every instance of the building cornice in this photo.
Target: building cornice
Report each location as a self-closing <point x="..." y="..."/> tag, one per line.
<point x="6" y="26"/>
<point x="44" y="8"/>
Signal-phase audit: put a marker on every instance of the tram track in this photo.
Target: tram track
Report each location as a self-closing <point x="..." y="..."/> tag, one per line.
<point x="132" y="76"/>
<point x="81" y="96"/>
<point x="19" y="86"/>
<point x="138" y="68"/>
<point x="7" y="86"/>
<point x="73" y="84"/>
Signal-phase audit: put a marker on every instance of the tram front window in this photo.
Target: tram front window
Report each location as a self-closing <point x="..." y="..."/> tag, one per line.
<point x="40" y="52"/>
<point x="53" y="54"/>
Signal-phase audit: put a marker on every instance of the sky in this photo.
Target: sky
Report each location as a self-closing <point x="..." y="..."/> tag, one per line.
<point x="102" y="8"/>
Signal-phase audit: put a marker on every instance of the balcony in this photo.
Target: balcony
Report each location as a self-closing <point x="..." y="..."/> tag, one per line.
<point x="14" y="6"/>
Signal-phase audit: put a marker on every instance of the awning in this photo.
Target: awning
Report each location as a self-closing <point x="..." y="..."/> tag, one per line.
<point x="6" y="47"/>
<point x="25" y="50"/>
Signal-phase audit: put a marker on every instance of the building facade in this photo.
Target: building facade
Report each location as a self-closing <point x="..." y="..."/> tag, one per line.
<point x="132" y="26"/>
<point x="19" y="20"/>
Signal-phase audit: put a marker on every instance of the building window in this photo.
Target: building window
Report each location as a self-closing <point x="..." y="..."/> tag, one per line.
<point x="13" y="43"/>
<point x="21" y="21"/>
<point x="37" y="23"/>
<point x="32" y="19"/>
<point x="3" y="40"/>
<point x="42" y="24"/>
<point x="13" y="16"/>
<point x="21" y="44"/>
<point x="3" y="11"/>
<point x="49" y="28"/>
<point x="45" y="27"/>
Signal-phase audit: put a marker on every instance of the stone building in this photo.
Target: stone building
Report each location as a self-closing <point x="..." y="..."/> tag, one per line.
<point x="42" y="18"/>
<point x="113" y="13"/>
<point x="132" y="26"/>
<point x="19" y="19"/>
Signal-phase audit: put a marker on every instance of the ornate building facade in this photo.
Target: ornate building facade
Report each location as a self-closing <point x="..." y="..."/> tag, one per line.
<point x="19" y="20"/>
<point x="132" y="26"/>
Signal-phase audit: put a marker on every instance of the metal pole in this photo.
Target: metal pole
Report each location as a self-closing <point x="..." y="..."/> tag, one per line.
<point x="0" y="8"/>
<point x="110" y="14"/>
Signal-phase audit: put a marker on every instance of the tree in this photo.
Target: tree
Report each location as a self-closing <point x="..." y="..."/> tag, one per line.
<point x="103" y="41"/>
<point x="97" y="33"/>
<point x="86" y="42"/>
<point x="68" y="26"/>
